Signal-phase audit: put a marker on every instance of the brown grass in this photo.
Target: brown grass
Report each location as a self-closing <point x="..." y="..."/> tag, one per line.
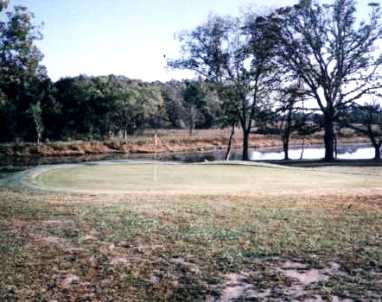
<point x="169" y="141"/>
<point x="136" y="247"/>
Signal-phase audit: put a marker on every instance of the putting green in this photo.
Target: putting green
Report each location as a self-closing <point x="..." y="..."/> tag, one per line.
<point x="197" y="179"/>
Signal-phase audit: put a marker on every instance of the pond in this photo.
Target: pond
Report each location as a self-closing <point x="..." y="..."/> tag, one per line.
<point x="353" y="152"/>
<point x="312" y="153"/>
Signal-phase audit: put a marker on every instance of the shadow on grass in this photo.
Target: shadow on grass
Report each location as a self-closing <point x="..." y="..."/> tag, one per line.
<point x="321" y="163"/>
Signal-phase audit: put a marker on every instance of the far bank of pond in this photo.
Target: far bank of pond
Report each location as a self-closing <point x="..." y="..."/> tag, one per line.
<point x="309" y="153"/>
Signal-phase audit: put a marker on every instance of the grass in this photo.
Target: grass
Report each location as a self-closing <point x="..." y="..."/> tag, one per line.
<point x="201" y="179"/>
<point x="184" y="247"/>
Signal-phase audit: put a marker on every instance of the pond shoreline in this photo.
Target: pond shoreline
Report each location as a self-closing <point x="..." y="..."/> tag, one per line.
<point x="9" y="163"/>
<point x="163" y="141"/>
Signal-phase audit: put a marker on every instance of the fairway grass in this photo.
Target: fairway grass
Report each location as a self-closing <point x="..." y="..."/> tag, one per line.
<point x="212" y="242"/>
<point x="200" y="179"/>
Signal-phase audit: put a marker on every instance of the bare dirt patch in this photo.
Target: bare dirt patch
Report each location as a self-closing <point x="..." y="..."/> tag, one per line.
<point x="298" y="286"/>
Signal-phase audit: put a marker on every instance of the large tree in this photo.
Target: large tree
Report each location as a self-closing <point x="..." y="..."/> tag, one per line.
<point x="236" y="56"/>
<point x="21" y="71"/>
<point x="333" y="53"/>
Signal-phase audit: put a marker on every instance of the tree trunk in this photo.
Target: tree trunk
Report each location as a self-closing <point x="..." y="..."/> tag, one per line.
<point x="285" y="139"/>
<point x="192" y="120"/>
<point x="377" y="150"/>
<point x="335" y="147"/>
<point x="229" y="147"/>
<point x="329" y="140"/>
<point x="286" y="148"/>
<point x="125" y="135"/>
<point x="246" y="145"/>
<point x="302" y="148"/>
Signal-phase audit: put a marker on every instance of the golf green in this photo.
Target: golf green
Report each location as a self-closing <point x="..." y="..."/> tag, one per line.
<point x="198" y="179"/>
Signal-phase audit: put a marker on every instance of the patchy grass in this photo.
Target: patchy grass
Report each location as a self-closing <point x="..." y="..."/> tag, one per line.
<point x="279" y="242"/>
<point x="170" y="247"/>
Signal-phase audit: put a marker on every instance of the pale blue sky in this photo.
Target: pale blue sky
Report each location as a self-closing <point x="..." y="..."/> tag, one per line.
<point x="125" y="37"/>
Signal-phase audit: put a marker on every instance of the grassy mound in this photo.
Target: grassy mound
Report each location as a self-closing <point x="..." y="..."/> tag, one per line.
<point x="200" y="179"/>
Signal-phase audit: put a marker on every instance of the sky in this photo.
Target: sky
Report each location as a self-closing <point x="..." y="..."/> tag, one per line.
<point x="123" y="37"/>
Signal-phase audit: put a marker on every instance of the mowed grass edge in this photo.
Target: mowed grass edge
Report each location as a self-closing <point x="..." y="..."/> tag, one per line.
<point x="199" y="179"/>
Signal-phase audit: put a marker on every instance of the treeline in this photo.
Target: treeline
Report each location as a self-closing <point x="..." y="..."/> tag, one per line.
<point x="297" y="69"/>
<point x="114" y="106"/>
<point x="33" y="108"/>
<point x="102" y="107"/>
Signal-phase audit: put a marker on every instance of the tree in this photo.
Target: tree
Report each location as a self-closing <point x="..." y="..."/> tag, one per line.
<point x="235" y="56"/>
<point x="228" y="118"/>
<point x="98" y="107"/>
<point x="332" y="53"/>
<point x="152" y="106"/>
<point x="81" y="105"/>
<point x="136" y="106"/>
<point x="20" y="70"/>
<point x="173" y="102"/>
<point x="195" y="100"/>
<point x="367" y="119"/>
<point x="290" y="121"/>
<point x="36" y="111"/>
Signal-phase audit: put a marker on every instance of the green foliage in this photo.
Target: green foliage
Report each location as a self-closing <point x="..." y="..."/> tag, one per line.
<point x="179" y="100"/>
<point x="174" y="103"/>
<point x="98" y="106"/>
<point x="21" y="74"/>
<point x="195" y="99"/>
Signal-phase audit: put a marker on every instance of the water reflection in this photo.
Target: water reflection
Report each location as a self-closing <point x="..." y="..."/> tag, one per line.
<point x="344" y="152"/>
<point x="310" y="153"/>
